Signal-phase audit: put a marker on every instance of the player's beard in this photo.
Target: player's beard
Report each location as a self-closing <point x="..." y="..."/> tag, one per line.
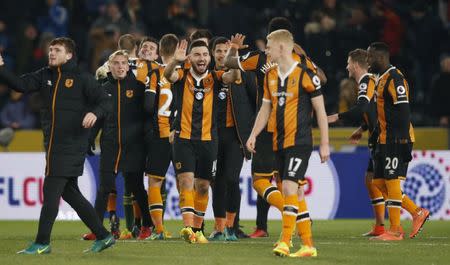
<point x="200" y="69"/>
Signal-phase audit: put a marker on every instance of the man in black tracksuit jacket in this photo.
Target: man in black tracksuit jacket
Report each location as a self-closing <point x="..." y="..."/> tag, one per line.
<point x="72" y="102"/>
<point x="235" y="116"/>
<point x="122" y="139"/>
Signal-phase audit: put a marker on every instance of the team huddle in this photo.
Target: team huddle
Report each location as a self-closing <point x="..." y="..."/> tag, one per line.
<point x="203" y="107"/>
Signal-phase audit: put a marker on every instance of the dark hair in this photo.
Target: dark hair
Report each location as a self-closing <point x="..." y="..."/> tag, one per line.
<point x="68" y="44"/>
<point x="277" y="23"/>
<point x="197" y="43"/>
<point x="148" y="39"/>
<point x="127" y="42"/>
<point x="218" y="40"/>
<point x="380" y="47"/>
<point x="200" y="33"/>
<point x="359" y="56"/>
<point x="168" y="44"/>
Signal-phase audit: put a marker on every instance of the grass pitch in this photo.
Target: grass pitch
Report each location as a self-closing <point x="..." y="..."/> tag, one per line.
<point x="337" y="241"/>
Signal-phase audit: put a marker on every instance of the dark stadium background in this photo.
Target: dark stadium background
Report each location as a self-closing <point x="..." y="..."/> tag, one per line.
<point x="418" y="33"/>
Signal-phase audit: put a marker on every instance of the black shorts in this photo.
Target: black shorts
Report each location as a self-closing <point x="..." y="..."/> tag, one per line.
<point x="230" y="156"/>
<point x="199" y="157"/>
<point x="372" y="144"/>
<point x="263" y="161"/>
<point x="370" y="166"/>
<point x="159" y="155"/>
<point x="292" y="162"/>
<point x="391" y="161"/>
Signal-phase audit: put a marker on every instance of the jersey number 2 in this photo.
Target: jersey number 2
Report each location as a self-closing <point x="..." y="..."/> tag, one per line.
<point x="164" y="109"/>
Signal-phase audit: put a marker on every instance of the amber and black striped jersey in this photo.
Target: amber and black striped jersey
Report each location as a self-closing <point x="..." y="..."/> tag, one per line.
<point x="290" y="96"/>
<point x="225" y="114"/>
<point x="366" y="90"/>
<point x="392" y="89"/>
<point x="197" y="104"/>
<point x="364" y="110"/>
<point x="162" y="113"/>
<point x="258" y="62"/>
<point x="142" y="69"/>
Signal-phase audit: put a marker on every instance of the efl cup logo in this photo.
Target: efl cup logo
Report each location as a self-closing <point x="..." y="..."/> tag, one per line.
<point x="428" y="185"/>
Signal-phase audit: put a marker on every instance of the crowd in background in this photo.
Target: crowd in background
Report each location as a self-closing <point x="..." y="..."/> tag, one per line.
<point x="418" y="33"/>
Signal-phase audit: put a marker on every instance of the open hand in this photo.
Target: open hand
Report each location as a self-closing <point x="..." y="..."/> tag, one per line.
<point x="180" y="51"/>
<point x="237" y="41"/>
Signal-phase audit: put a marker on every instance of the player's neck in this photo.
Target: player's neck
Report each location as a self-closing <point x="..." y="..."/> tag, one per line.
<point x="285" y="64"/>
<point x="359" y="75"/>
<point x="166" y="59"/>
<point x="133" y="53"/>
<point x="385" y="67"/>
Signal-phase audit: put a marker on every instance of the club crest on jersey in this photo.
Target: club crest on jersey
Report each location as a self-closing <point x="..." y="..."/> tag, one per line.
<point x="68" y="83"/>
<point x="207" y="81"/>
<point x="199" y="95"/>
<point x="222" y="95"/>
<point x="381" y="83"/>
<point x="129" y="93"/>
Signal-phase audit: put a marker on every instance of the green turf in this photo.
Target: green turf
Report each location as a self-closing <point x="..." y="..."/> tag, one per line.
<point x="338" y="242"/>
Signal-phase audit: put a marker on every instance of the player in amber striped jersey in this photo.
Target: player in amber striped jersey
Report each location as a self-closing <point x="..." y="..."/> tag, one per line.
<point x="291" y="92"/>
<point x="195" y="145"/>
<point x="159" y="103"/>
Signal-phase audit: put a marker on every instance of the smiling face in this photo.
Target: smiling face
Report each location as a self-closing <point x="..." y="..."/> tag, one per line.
<point x="200" y="59"/>
<point x="149" y="51"/>
<point x="219" y="55"/>
<point x="118" y="65"/>
<point x="58" y="55"/>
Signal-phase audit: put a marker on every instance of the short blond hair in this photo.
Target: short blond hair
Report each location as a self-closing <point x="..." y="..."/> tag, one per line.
<point x="281" y="35"/>
<point x="119" y="53"/>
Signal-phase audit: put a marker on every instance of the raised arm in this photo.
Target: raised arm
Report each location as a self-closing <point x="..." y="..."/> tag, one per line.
<point x="179" y="57"/>
<point x="232" y="57"/>
<point x="231" y="76"/>
<point x="26" y="83"/>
